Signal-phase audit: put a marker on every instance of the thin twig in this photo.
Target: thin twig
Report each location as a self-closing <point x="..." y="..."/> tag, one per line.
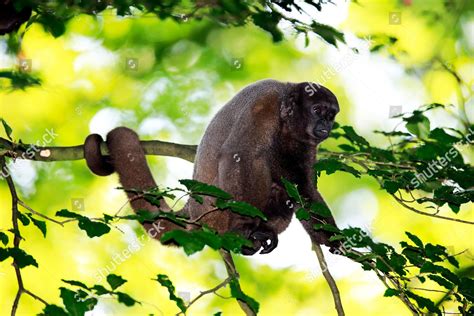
<point x="427" y="290"/>
<point x="401" y="202"/>
<point x="210" y="291"/>
<point x="383" y="276"/>
<point x="39" y="214"/>
<point x="429" y="214"/>
<point x="329" y="279"/>
<point x="232" y="272"/>
<point x="16" y="241"/>
<point x="197" y="219"/>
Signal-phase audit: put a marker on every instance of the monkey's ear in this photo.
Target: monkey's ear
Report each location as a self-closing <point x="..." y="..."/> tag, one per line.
<point x="288" y="105"/>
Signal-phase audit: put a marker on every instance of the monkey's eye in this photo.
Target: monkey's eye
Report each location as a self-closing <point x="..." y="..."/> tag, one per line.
<point x="316" y="110"/>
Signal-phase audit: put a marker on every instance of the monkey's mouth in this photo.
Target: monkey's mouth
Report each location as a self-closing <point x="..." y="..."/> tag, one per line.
<point x="320" y="134"/>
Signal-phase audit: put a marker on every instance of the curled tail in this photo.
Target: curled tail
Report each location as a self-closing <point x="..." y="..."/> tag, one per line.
<point x="127" y="159"/>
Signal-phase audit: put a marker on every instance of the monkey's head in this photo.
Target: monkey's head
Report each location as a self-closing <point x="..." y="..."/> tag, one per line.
<point x="309" y="112"/>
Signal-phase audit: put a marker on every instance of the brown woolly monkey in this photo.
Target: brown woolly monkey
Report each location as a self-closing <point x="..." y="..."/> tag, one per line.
<point x="269" y="130"/>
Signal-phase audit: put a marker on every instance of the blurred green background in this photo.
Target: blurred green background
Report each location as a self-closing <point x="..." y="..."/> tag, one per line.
<point x="166" y="80"/>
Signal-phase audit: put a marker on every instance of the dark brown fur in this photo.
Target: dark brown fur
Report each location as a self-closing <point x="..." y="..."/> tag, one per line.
<point x="269" y="130"/>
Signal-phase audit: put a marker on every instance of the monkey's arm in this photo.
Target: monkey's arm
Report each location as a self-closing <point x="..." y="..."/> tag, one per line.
<point x="247" y="177"/>
<point x="320" y="237"/>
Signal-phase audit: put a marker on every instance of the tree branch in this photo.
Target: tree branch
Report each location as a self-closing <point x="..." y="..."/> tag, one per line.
<point x="329" y="279"/>
<point x="33" y="152"/>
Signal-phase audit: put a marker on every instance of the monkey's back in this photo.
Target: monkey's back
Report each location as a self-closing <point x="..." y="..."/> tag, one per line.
<point x="236" y="114"/>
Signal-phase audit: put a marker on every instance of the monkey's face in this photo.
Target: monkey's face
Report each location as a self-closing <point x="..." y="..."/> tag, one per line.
<point x="316" y="108"/>
<point x="321" y="120"/>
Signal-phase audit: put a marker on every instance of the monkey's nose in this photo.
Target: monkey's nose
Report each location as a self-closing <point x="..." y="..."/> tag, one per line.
<point x="321" y="133"/>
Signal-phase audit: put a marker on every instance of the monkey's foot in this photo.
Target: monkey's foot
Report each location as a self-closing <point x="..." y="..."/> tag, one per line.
<point x="261" y="239"/>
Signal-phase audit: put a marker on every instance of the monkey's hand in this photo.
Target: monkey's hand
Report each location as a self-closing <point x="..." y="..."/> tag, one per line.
<point x="261" y="239"/>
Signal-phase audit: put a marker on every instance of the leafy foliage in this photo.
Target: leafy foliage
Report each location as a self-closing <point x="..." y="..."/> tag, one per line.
<point x="416" y="262"/>
<point x="20" y="80"/>
<point x="420" y="160"/>
<point x="84" y="298"/>
<point x="195" y="240"/>
<point x="54" y="15"/>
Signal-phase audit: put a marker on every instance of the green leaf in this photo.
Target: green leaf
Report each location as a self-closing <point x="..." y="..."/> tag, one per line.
<point x="23" y="218"/>
<point x="453" y="261"/>
<point x="337" y="237"/>
<point x="328" y="33"/>
<point x="77" y="303"/>
<point x="100" y="290"/>
<point x="76" y="283"/>
<point x="233" y="242"/>
<point x="237" y="293"/>
<point x="200" y="188"/>
<point x="269" y="22"/>
<point x="53" y="310"/>
<point x="391" y="186"/>
<point x="19" y="256"/>
<point x="4" y="254"/>
<point x="331" y="165"/>
<point x="4" y="238"/>
<point x="429" y="267"/>
<point x="125" y="299"/>
<point x="320" y="209"/>
<point x="241" y="208"/>
<point x="391" y="292"/>
<point x="435" y="252"/>
<point x="442" y="137"/>
<point x="68" y="214"/>
<point x="417" y="241"/>
<point x="7" y="128"/>
<point x="52" y="23"/>
<point x="466" y="288"/>
<point x="418" y="124"/>
<point x="20" y="80"/>
<point x="292" y="190"/>
<point x="326" y="227"/>
<point x="441" y="281"/>
<point x="347" y="148"/>
<point x="423" y="302"/>
<point x="184" y="239"/>
<point x="40" y="224"/>
<point x="166" y="282"/>
<point x="115" y="281"/>
<point x="108" y="218"/>
<point x="93" y="228"/>
<point x="195" y="240"/>
<point x="302" y="214"/>
<point x="353" y="137"/>
<point x="22" y="259"/>
<point x="198" y="198"/>
<point x="413" y="255"/>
